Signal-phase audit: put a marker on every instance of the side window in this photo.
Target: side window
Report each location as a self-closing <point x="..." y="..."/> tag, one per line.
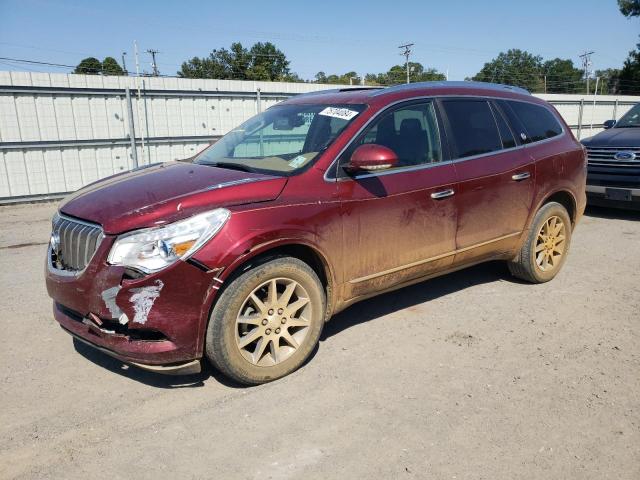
<point x="410" y="131"/>
<point x="537" y="120"/>
<point x="505" y="132"/>
<point x="472" y="126"/>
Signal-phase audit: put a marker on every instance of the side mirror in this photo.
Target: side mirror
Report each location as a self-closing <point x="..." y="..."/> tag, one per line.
<point x="609" y="124"/>
<point x="371" y="157"/>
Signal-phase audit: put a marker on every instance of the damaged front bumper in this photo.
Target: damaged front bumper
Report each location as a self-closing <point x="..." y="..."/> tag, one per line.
<point x="184" y="368"/>
<point x="155" y="322"/>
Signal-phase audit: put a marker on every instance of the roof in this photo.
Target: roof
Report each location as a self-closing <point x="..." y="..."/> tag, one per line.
<point x="372" y="94"/>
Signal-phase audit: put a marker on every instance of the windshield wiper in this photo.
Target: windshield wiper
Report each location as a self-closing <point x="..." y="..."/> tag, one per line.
<point x="232" y="166"/>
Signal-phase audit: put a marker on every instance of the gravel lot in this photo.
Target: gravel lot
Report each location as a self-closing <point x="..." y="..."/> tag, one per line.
<point x="472" y="375"/>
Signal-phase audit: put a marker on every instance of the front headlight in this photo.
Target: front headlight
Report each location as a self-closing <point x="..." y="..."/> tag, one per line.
<point x="153" y="249"/>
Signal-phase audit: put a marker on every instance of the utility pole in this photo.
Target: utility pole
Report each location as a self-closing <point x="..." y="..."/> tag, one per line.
<point x="406" y="53"/>
<point x="154" y="65"/>
<point x="124" y="64"/>
<point x="586" y="65"/>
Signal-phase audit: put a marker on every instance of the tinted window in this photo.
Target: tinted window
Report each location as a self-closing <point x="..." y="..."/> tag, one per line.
<point x="472" y="126"/>
<point x="538" y="121"/>
<point x="505" y="132"/>
<point x="410" y="131"/>
<point x="514" y="122"/>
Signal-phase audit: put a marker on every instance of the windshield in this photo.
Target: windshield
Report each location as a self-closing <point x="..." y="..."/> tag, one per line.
<point x="283" y="139"/>
<point x="630" y="119"/>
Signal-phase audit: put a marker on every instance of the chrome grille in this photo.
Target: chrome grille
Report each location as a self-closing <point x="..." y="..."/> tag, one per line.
<point x="73" y="243"/>
<point x="605" y="156"/>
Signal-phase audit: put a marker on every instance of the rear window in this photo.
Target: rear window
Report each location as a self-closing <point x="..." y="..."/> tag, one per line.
<point x="472" y="126"/>
<point x="539" y="122"/>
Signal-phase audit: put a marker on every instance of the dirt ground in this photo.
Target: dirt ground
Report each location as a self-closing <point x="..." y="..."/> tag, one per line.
<point x="468" y="376"/>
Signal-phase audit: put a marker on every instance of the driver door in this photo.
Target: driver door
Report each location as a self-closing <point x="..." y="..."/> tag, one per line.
<point x="398" y="224"/>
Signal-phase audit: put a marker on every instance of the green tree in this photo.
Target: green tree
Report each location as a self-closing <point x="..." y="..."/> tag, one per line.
<point x="321" y="77"/>
<point x="514" y="67"/>
<point x="111" y="67"/>
<point x="89" y="66"/>
<point x="267" y="62"/>
<point x="345" y="79"/>
<point x="209" y="67"/>
<point x="398" y="74"/>
<point x="562" y="76"/>
<point x="609" y="80"/>
<point x="629" y="8"/>
<point x="262" y="62"/>
<point x="629" y="78"/>
<point x="292" y="77"/>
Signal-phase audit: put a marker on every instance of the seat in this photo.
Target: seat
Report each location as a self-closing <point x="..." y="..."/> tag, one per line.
<point x="319" y="139"/>
<point x="413" y="143"/>
<point x="386" y="133"/>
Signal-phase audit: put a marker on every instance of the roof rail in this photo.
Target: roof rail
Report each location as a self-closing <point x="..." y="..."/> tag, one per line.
<point x="465" y="84"/>
<point x="337" y="90"/>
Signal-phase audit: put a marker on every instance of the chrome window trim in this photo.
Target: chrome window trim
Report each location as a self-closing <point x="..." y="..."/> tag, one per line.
<point x="446" y="162"/>
<point x="68" y="273"/>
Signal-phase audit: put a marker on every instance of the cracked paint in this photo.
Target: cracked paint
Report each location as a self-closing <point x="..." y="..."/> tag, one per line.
<point x="143" y="299"/>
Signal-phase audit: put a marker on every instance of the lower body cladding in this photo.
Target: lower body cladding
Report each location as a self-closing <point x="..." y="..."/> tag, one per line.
<point x="155" y="322"/>
<point x="618" y="197"/>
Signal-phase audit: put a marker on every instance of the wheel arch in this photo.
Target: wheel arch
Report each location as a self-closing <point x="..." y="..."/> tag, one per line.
<point x="296" y="248"/>
<point x="566" y="199"/>
<point x="562" y="196"/>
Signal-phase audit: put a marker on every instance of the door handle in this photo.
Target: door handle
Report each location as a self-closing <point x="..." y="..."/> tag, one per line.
<point x="442" y="194"/>
<point x="520" y="176"/>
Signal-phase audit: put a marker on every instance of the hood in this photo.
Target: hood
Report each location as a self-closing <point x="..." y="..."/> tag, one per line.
<point x="164" y="193"/>
<point x="615" y="137"/>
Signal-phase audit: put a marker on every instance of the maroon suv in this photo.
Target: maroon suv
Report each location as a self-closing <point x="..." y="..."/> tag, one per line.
<point x="317" y="203"/>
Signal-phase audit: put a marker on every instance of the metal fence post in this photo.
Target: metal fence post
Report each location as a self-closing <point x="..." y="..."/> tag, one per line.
<point x="258" y="101"/>
<point x="259" y="107"/>
<point x="615" y="110"/>
<point x="146" y="121"/>
<point x="580" y="118"/>
<point x="132" y="128"/>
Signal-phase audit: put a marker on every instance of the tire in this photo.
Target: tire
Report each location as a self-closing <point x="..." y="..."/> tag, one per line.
<point x="526" y="265"/>
<point x="238" y="342"/>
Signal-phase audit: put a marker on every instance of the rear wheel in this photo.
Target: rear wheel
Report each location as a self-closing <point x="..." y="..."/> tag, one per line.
<point x="546" y="246"/>
<point x="266" y="322"/>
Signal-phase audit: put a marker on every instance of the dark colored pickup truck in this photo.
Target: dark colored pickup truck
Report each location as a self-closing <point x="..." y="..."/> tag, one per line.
<point x="614" y="163"/>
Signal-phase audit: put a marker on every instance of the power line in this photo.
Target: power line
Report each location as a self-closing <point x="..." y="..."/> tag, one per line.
<point x="21" y="60"/>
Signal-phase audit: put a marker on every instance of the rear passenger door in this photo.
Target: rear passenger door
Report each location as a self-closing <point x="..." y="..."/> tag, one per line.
<point x="495" y="178"/>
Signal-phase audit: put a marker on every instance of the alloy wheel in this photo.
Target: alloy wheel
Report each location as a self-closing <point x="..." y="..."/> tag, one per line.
<point x="273" y="322"/>
<point x="550" y="244"/>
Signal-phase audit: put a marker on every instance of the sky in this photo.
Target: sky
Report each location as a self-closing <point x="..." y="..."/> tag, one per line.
<point x="452" y="36"/>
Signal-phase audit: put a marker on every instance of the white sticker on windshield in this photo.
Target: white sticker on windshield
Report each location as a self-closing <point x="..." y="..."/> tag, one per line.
<point x="343" y="113"/>
<point x="298" y="161"/>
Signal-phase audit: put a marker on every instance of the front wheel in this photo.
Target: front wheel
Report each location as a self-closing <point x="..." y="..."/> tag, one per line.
<point x="546" y="246"/>
<point x="266" y="322"/>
